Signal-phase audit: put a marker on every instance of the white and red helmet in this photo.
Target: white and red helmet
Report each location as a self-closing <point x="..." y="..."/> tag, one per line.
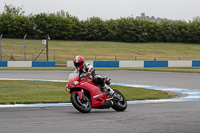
<point x="79" y="62"/>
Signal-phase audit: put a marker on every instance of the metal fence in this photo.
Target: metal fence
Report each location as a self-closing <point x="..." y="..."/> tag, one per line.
<point x="24" y="50"/>
<point x="29" y="49"/>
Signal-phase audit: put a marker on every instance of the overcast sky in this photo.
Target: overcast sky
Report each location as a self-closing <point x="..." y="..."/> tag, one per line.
<point x="107" y="9"/>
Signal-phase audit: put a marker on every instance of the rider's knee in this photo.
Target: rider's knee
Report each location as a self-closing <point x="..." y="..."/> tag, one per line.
<point x="99" y="80"/>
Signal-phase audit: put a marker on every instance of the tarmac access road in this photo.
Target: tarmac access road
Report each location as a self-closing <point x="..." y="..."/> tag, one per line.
<point x="168" y="117"/>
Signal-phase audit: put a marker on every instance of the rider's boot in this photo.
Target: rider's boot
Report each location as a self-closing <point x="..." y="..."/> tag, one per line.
<point x="108" y="89"/>
<point x="112" y="93"/>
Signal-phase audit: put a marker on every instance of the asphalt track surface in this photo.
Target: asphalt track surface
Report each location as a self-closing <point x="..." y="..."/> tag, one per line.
<point x="168" y="117"/>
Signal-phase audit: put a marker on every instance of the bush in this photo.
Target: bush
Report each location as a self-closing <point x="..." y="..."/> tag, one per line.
<point x="63" y="26"/>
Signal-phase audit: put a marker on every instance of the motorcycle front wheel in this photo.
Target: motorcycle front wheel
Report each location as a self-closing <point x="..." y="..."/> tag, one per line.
<point x="119" y="105"/>
<point x="83" y="105"/>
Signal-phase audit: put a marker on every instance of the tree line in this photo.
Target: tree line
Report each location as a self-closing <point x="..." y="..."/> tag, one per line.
<point x="63" y="26"/>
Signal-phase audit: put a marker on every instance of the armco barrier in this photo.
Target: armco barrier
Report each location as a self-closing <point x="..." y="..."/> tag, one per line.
<point x="27" y="63"/>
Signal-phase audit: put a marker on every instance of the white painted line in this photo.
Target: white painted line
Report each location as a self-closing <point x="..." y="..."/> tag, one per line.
<point x="193" y="97"/>
<point x="193" y="92"/>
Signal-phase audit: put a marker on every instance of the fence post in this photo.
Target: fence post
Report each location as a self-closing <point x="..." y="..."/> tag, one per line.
<point x="47" y="47"/>
<point x="0" y="49"/>
<point x="24" y="48"/>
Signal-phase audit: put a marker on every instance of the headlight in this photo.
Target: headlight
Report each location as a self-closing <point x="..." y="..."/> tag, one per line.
<point x="75" y="83"/>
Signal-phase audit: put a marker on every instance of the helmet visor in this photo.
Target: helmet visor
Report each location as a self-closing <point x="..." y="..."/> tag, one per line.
<point x="78" y="64"/>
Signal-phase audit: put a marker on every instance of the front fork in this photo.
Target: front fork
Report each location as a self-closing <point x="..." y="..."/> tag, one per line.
<point x="80" y="94"/>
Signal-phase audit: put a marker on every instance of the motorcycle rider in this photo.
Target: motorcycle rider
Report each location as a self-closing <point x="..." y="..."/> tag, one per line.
<point x="87" y="69"/>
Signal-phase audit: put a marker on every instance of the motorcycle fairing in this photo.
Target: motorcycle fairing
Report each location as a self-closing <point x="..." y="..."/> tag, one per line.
<point x="80" y="94"/>
<point x="97" y="96"/>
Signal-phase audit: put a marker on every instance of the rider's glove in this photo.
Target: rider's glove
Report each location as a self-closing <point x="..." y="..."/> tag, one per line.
<point x="85" y="74"/>
<point x="88" y="73"/>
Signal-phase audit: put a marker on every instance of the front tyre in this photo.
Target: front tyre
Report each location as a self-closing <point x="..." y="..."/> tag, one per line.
<point x="119" y="105"/>
<point x="82" y="105"/>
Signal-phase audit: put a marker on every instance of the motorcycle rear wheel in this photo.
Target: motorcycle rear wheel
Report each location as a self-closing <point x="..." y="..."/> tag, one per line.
<point x="81" y="105"/>
<point x="119" y="105"/>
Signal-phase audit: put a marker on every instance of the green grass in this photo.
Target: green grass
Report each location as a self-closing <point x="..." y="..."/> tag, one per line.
<point x="12" y="92"/>
<point x="100" y="50"/>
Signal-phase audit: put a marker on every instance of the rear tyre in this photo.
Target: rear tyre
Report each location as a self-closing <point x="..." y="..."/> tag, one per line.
<point x="81" y="105"/>
<point x="119" y="105"/>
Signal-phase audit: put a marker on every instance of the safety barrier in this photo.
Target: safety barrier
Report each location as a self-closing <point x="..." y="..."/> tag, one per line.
<point x="155" y="63"/>
<point x="106" y="63"/>
<point x="43" y="63"/>
<point x="3" y="63"/>
<point x="178" y="63"/>
<point x="27" y="63"/>
<point x="183" y="63"/>
<point x="195" y="63"/>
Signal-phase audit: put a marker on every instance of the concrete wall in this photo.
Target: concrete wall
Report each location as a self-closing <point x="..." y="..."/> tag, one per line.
<point x="131" y="63"/>
<point x="183" y="63"/>
<point x="19" y="64"/>
<point x="195" y="63"/>
<point x="43" y="64"/>
<point x="3" y="63"/>
<point x="106" y="63"/>
<point x="27" y="63"/>
<point x="155" y="63"/>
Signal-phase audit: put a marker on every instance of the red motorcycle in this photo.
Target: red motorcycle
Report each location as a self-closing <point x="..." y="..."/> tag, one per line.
<point x="85" y="94"/>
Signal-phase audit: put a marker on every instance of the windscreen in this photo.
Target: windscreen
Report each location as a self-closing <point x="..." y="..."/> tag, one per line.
<point x="71" y="75"/>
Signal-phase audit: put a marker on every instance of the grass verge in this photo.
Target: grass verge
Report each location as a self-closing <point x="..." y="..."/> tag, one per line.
<point x="20" y="92"/>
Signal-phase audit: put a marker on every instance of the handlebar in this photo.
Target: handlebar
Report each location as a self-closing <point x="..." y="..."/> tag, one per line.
<point x="84" y="75"/>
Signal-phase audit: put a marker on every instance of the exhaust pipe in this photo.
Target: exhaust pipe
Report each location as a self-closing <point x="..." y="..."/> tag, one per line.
<point x="107" y="104"/>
